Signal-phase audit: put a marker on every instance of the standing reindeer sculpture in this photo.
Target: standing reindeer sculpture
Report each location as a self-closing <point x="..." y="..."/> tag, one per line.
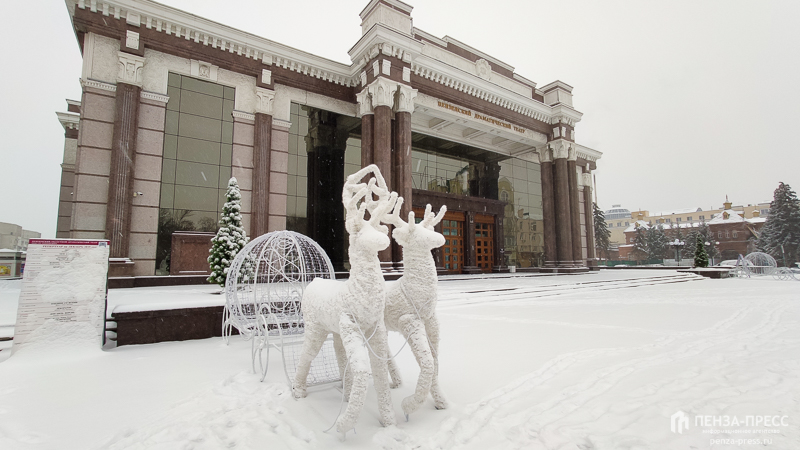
<point x="353" y="309"/>
<point x="411" y="303"/>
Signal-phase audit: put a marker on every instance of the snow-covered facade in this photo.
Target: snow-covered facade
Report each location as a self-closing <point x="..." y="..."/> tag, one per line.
<point x="173" y="105"/>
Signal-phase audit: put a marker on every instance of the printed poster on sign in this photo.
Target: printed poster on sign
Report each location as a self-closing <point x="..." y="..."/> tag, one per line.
<point x="63" y="293"/>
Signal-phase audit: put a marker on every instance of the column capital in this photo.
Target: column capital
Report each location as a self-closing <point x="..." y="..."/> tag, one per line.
<point x="587" y="179"/>
<point x="560" y="149"/>
<point x="266" y="101"/>
<point x="405" y="98"/>
<point x="364" y="103"/>
<point x="382" y="92"/>
<point x="130" y="69"/>
<point x="545" y="155"/>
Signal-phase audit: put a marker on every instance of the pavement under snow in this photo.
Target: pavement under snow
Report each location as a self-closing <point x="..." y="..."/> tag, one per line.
<point x="596" y="361"/>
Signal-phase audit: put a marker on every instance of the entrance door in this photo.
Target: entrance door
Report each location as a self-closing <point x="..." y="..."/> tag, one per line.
<point x="484" y="242"/>
<point x="453" y="249"/>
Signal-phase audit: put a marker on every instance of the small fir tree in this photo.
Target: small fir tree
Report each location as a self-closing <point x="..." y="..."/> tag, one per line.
<point x="706" y="235"/>
<point x="657" y="242"/>
<point x="602" y="235"/>
<point x="230" y="238"/>
<point x="700" y="255"/>
<point x="780" y="236"/>
<point x="640" y="247"/>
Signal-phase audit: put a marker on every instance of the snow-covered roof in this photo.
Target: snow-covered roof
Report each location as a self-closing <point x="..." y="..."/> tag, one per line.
<point x="756" y="220"/>
<point x="680" y="211"/>
<point x="9" y="250"/>
<point x="726" y="216"/>
<point x="638" y="223"/>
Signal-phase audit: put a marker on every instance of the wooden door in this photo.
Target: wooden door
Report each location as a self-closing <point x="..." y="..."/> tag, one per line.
<point x="453" y="249"/>
<point x="484" y="242"/>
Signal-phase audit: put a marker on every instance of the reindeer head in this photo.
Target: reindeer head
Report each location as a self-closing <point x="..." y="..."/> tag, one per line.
<point x="416" y="235"/>
<point x="369" y="235"/>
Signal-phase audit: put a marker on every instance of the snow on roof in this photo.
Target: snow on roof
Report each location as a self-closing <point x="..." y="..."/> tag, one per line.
<point x="756" y="220"/>
<point x="9" y="250"/>
<point x="640" y="223"/>
<point x="680" y="211"/>
<point x="726" y="216"/>
<point x="669" y="226"/>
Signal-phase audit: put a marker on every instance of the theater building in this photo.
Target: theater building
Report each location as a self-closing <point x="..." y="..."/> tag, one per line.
<point x="173" y="105"/>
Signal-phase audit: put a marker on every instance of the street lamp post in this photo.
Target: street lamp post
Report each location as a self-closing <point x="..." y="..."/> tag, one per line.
<point x="709" y="246"/>
<point x="677" y="245"/>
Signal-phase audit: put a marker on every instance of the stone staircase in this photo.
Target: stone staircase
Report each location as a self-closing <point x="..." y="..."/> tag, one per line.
<point x="557" y="286"/>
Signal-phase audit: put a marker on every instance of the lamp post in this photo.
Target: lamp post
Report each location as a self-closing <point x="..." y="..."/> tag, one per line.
<point x="709" y="246"/>
<point x="677" y="245"/>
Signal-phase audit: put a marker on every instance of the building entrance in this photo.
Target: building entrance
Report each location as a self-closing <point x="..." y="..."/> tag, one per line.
<point x="453" y="250"/>
<point x="484" y="242"/>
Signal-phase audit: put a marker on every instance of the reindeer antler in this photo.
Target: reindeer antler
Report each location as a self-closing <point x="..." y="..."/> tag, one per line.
<point x="394" y="217"/>
<point x="430" y="219"/>
<point x="354" y="191"/>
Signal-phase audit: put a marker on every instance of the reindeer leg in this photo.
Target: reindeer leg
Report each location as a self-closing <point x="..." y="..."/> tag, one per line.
<point x="353" y="343"/>
<point x="315" y="336"/>
<point x="394" y="373"/>
<point x="380" y="376"/>
<point x="341" y="359"/>
<point x="432" y="328"/>
<point x="414" y="331"/>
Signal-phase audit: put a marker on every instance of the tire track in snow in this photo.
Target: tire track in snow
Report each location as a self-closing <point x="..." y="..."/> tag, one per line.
<point x="567" y="420"/>
<point x="455" y="431"/>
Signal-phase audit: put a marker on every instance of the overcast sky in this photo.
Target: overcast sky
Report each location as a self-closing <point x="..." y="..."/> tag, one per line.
<point x="689" y="101"/>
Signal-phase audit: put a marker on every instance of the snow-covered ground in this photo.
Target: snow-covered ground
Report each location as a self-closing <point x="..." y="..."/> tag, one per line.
<point x="597" y="361"/>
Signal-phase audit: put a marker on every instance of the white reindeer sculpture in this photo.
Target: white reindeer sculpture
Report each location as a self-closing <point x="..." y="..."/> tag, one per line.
<point x="353" y="309"/>
<point x="411" y="303"/>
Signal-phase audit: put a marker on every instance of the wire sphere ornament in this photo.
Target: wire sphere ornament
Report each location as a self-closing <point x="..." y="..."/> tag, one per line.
<point x="264" y="291"/>
<point x="760" y="264"/>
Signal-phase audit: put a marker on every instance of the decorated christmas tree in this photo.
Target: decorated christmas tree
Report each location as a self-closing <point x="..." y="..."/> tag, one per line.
<point x="230" y="238"/>
<point x="700" y="255"/>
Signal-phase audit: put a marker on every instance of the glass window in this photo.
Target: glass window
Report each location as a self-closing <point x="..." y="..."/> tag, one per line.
<point x="196" y="163"/>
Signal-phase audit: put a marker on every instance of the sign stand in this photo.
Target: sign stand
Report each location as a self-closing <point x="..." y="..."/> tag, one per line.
<point x="65" y="282"/>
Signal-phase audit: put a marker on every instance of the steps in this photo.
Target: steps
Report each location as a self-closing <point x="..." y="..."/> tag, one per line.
<point x="502" y="294"/>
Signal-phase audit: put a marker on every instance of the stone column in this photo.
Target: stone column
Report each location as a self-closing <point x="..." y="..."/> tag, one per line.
<point x="401" y="157"/>
<point x="574" y="207"/>
<point x="367" y="125"/>
<point x="123" y="154"/>
<point x="382" y="92"/>
<point x="589" y="213"/>
<point x="262" y="149"/>
<point x="562" y="204"/>
<point x="548" y="207"/>
<point x="326" y="221"/>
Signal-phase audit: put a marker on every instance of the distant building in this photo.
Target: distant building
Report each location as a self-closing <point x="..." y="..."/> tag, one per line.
<point x="13" y="237"/>
<point x="618" y="221"/>
<point x="734" y="233"/>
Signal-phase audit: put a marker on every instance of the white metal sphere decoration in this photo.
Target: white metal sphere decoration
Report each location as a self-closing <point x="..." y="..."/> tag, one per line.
<point x="759" y="264"/>
<point x="264" y="290"/>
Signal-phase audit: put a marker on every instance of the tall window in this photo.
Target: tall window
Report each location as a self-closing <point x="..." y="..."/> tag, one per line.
<point x="196" y="166"/>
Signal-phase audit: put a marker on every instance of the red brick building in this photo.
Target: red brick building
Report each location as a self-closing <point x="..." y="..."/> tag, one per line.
<point x="733" y="234"/>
